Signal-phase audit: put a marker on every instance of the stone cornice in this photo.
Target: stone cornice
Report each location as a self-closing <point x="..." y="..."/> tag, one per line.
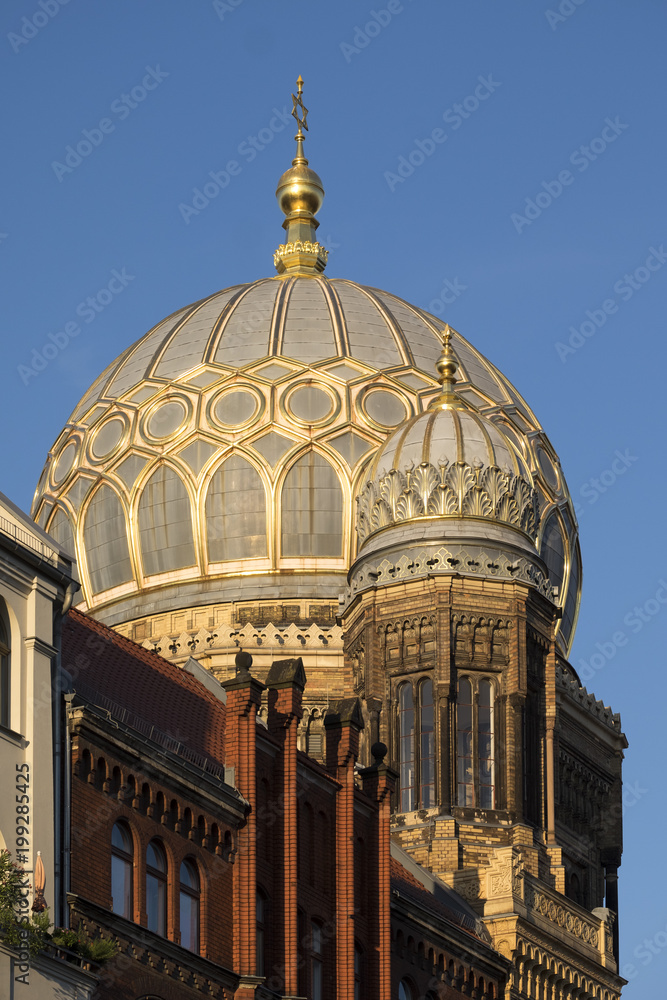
<point x="156" y="763"/>
<point x="157" y="952"/>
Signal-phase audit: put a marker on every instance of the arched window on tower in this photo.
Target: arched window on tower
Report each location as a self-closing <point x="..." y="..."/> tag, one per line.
<point x="475" y="744"/>
<point x="485" y="746"/>
<point x="5" y="669"/>
<point x="312" y="509"/>
<point x="406" y="728"/>
<point x="416" y="745"/>
<point x="426" y="745"/>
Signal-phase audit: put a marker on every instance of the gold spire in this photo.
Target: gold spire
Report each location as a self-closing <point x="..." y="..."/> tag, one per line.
<point x="447" y="364"/>
<point x="300" y="195"/>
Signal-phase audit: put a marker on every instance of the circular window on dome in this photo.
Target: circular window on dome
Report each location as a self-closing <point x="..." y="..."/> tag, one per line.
<point x="547" y="468"/>
<point x="65" y="462"/>
<point x="236" y="407"/>
<point x="164" y="420"/>
<point x="310" y="404"/>
<point x="383" y="408"/>
<point x="107" y="438"/>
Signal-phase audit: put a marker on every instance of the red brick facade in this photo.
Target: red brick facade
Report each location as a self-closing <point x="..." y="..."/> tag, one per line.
<point x="296" y="883"/>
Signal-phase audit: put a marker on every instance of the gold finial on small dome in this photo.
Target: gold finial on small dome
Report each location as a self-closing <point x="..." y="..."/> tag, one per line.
<point x="447" y="364"/>
<point x="300" y="195"/>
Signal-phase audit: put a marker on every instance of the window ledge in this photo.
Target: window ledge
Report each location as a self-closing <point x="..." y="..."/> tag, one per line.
<point x="16" y="739"/>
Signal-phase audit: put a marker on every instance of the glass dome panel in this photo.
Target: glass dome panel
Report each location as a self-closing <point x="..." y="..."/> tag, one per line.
<point x="570" y="609"/>
<point x="105" y="541"/>
<point x="552" y="551"/>
<point x="165" y="524"/>
<point x="312" y="509"/>
<point x="60" y="528"/>
<point x="236" y="512"/>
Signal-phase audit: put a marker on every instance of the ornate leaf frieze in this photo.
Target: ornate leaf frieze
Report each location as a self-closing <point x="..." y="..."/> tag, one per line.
<point x="456" y="488"/>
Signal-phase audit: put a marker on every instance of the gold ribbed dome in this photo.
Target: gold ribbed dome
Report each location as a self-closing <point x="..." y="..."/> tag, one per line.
<point x="218" y="458"/>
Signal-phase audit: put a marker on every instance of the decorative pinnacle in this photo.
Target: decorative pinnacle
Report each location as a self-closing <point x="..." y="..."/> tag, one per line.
<point x="298" y="105"/>
<point x="300" y="195"/>
<point x="447" y="364"/>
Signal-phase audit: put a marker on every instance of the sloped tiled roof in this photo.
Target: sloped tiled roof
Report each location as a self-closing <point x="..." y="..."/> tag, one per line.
<point x="144" y="684"/>
<point x="409" y="886"/>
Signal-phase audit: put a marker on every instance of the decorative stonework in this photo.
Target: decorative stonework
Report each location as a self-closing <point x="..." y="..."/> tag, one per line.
<point x="480" y="639"/>
<point x="562" y="915"/>
<point x="227" y="638"/>
<point x="592" y="781"/>
<point x="456" y="488"/>
<point x="466" y="560"/>
<point x="588" y="701"/>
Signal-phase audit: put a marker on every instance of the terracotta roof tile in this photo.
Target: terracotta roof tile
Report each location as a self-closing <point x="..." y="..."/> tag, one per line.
<point x="145" y="684"/>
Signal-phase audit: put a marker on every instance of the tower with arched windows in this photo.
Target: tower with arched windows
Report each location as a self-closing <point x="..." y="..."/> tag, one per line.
<point x="509" y="771"/>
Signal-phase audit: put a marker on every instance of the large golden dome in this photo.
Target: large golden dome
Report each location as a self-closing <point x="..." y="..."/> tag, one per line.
<point x="218" y="458"/>
<point x="220" y="455"/>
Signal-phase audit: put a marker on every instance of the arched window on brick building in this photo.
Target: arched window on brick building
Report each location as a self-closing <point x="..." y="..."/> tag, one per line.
<point x="122" y="859"/>
<point x="189" y="906"/>
<point x="156" y="888"/>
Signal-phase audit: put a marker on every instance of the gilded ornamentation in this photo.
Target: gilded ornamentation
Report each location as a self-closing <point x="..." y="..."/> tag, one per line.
<point x="455" y="488"/>
<point x="304" y="247"/>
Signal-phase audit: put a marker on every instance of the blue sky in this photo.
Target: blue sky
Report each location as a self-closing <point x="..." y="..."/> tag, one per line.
<point x="561" y="117"/>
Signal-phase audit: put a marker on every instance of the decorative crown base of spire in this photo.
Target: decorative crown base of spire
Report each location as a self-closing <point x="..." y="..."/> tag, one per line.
<point x="301" y="255"/>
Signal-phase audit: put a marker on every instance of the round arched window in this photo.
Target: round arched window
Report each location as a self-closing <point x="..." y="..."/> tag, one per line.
<point x="189" y="906"/>
<point x="156" y="888"/>
<point x="122" y="858"/>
